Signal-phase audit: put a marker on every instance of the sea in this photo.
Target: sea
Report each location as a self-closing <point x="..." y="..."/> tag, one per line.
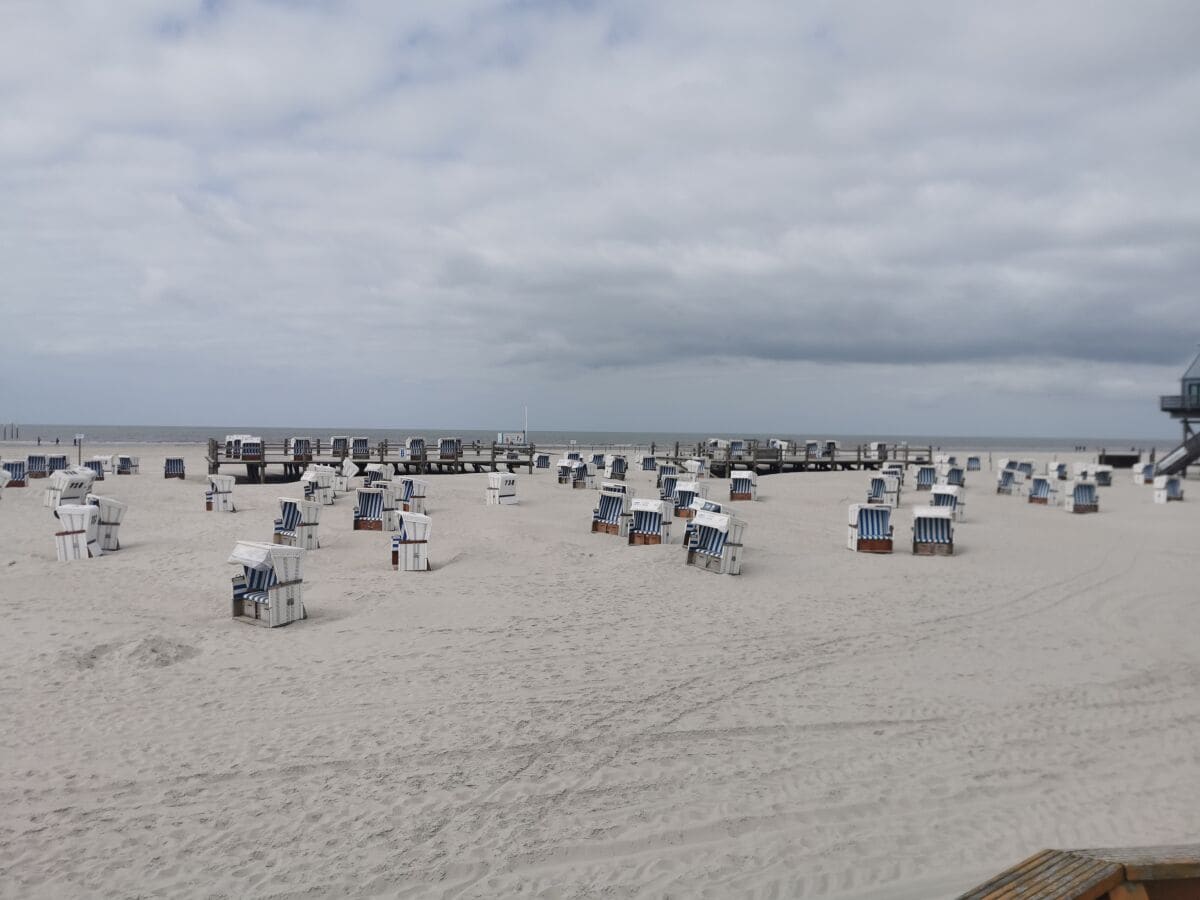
<point x="200" y="434"/>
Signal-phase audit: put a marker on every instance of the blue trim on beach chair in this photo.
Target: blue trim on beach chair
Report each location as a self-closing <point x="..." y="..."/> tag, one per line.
<point x="874" y="523"/>
<point x="740" y="484"/>
<point x="710" y="541"/>
<point x="647" y="522"/>
<point x="1040" y="488"/>
<point x="649" y="463"/>
<point x="928" y="530"/>
<point x="1084" y="495"/>
<point x="926" y="475"/>
<point x="370" y="508"/>
<point x="877" y="490"/>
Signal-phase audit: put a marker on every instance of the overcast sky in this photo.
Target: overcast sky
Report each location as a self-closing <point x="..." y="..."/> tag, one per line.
<point x="957" y="218"/>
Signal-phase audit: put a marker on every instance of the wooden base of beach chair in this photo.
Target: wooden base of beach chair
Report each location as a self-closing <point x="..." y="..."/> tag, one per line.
<point x="368" y="525"/>
<point x="877" y="545"/>
<point x="579" y="484"/>
<point x="685" y="513"/>
<point x="14" y="483"/>
<point x="932" y="549"/>
<point x="1086" y="508"/>
<point x="639" y="540"/>
<point x="605" y="528"/>
<point x="924" y="487"/>
<point x="740" y="495"/>
<point x="178" y="475"/>
<point x="1040" y="501"/>
<point x="39" y="475"/>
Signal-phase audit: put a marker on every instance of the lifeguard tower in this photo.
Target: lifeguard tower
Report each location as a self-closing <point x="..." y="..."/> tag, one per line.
<point x="1184" y="406"/>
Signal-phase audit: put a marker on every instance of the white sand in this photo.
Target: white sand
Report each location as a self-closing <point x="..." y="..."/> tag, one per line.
<point x="550" y="713"/>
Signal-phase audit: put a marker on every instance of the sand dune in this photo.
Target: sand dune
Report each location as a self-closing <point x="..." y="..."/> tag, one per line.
<point x="549" y="713"/>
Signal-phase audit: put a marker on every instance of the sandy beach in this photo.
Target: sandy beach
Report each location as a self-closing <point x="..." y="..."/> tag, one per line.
<point x="551" y="713"/>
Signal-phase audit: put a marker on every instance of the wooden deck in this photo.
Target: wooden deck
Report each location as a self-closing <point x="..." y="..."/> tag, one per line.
<point x="1138" y="873"/>
<point x="479" y="457"/>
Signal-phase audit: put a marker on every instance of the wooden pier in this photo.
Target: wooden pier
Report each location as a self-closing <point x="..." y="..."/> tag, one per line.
<point x="494" y="457"/>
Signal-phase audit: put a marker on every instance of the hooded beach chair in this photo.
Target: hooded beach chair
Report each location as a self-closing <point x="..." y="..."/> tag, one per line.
<point x="375" y="472"/>
<point x="884" y="490"/>
<point x="613" y="513"/>
<point x="78" y="536"/>
<point x="449" y="448"/>
<point x="360" y="448"/>
<point x="1006" y="482"/>
<point x="696" y="468"/>
<point x="127" y="465"/>
<point x="649" y="464"/>
<point x="1025" y="467"/>
<point x="574" y="454"/>
<point x="270" y="590"/>
<point x="339" y="445"/>
<point x="895" y="469"/>
<point x="252" y="449"/>
<point x="685" y="493"/>
<point x="410" y="544"/>
<point x="564" y="469"/>
<point x="598" y="460"/>
<point x="1168" y="488"/>
<point x="666" y="469"/>
<point x="173" y="467"/>
<point x="108" y="523"/>
<point x="301" y="449"/>
<point x="16" y="472"/>
<point x="698" y="505"/>
<point x="297" y="524"/>
<point x="651" y="521"/>
<point x="1059" y="471"/>
<point x="615" y="467"/>
<point x="926" y="477"/>
<point x="219" y="496"/>
<point x="933" y="531"/>
<point x="68" y="487"/>
<point x="501" y="489"/>
<point x="668" y="485"/>
<point x="1143" y="473"/>
<point x="411" y="494"/>
<point x="415" y="447"/>
<point x="1082" y="498"/>
<point x="368" y="510"/>
<point x="342" y="475"/>
<point x="1042" y="490"/>
<point x="955" y="477"/>
<point x="870" y="528"/>
<point x="743" y="485"/>
<point x="717" y="544"/>
<point x="1102" y="475"/>
<point x="36" y="466"/>
<point x="951" y="497"/>
<point x="96" y="467"/>
<point x="56" y="463"/>
<point x="318" y="484"/>
<point x="973" y="464"/>
<point x="542" y="461"/>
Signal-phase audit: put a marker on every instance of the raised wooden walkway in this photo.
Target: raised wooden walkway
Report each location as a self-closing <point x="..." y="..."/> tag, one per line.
<point x="1137" y="873"/>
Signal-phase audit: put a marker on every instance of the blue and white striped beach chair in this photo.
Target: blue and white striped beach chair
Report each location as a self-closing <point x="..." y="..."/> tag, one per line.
<point x="1040" y="490"/>
<point x="302" y="449"/>
<point x="870" y="528"/>
<point x="973" y="464"/>
<point x="615" y="466"/>
<point x="1059" y="471"/>
<point x="449" y="448"/>
<point x="926" y="476"/>
<point x="612" y="514"/>
<point x="1083" y="498"/>
<point x="717" y="544"/>
<point x="56" y="463"/>
<point x="415" y="447"/>
<point x="700" y="504"/>
<point x="543" y="461"/>
<point x="1168" y="488"/>
<point x="297" y="523"/>
<point x="668" y="484"/>
<point x="269" y="591"/>
<point x="96" y="466"/>
<point x="951" y="497"/>
<point x="664" y="471"/>
<point x="651" y="521"/>
<point x="410" y="545"/>
<point x="173" y="467"/>
<point x="875" y="492"/>
<point x="955" y="477"/>
<point x="649" y="464"/>
<point x="252" y="450"/>
<point x="360" y="448"/>
<point x="16" y="472"/>
<point x="574" y="454"/>
<point x="1102" y="475"/>
<point x="368" y="511"/>
<point x="1006" y="483"/>
<point x="685" y="493"/>
<point x="36" y="466"/>
<point x="339" y="446"/>
<point x="933" y="531"/>
<point x="598" y="460"/>
<point x="743" y="486"/>
<point x="1025" y="467"/>
<point x="1143" y="473"/>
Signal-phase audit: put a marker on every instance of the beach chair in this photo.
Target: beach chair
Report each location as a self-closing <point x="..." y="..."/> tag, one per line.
<point x="1082" y="469"/>
<point x="870" y="528"/>
<point x="415" y="447"/>
<point x="1102" y="475"/>
<point x="615" y="467"/>
<point x="501" y="489"/>
<point x="649" y="464"/>
<point x="542" y="461"/>
<point x="96" y="467"/>
<point x="737" y="447"/>
<point x="954" y="476"/>
<point x="376" y="472"/>
<point x="926" y="478"/>
<point x="68" y="487"/>
<point x="108" y="523"/>
<point x="894" y="469"/>
<point x="411" y="494"/>
<point x="1059" y="471"/>
<point x="651" y="521"/>
<point x="668" y="484"/>
<point x="1025" y="467"/>
<point x="56" y="463"/>
<point x="301" y="449"/>
<point x="696" y="468"/>
<point x="665" y="470"/>
<point x="1143" y="473"/>
<point x="78" y="536"/>
<point x="812" y="449"/>
<point x="717" y="545"/>
<point x="368" y="510"/>
<point x="410" y="545"/>
<point x="1006" y="482"/>
<point x="1168" y="488"/>
<point x="360" y="448"/>
<point x="252" y="449"/>
<point x="933" y="531"/>
<point x="233" y="446"/>
<point x="339" y="445"/>
<point x="297" y="524"/>
<point x="36" y="466"/>
<point x="1042" y="490"/>
<point x="342" y="475"/>
<point x="951" y="497"/>
<point x="564" y="469"/>
<point x="127" y="465"/>
<point x="743" y="485"/>
<point x="574" y="454"/>
<point x="1082" y="498"/>
<point x="698" y="505"/>
<point x="318" y="484"/>
<point x="270" y="590"/>
<point x="877" y="490"/>
<point x="685" y="493"/>
<point x="449" y="448"/>
<point x="598" y="460"/>
<point x="173" y="467"/>
<point x="219" y="496"/>
<point x="612" y="515"/>
<point x="973" y="464"/>
<point x="16" y="472"/>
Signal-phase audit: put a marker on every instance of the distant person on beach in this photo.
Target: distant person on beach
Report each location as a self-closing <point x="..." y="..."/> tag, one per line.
<point x="39" y="440"/>
<point x="56" y="442"/>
